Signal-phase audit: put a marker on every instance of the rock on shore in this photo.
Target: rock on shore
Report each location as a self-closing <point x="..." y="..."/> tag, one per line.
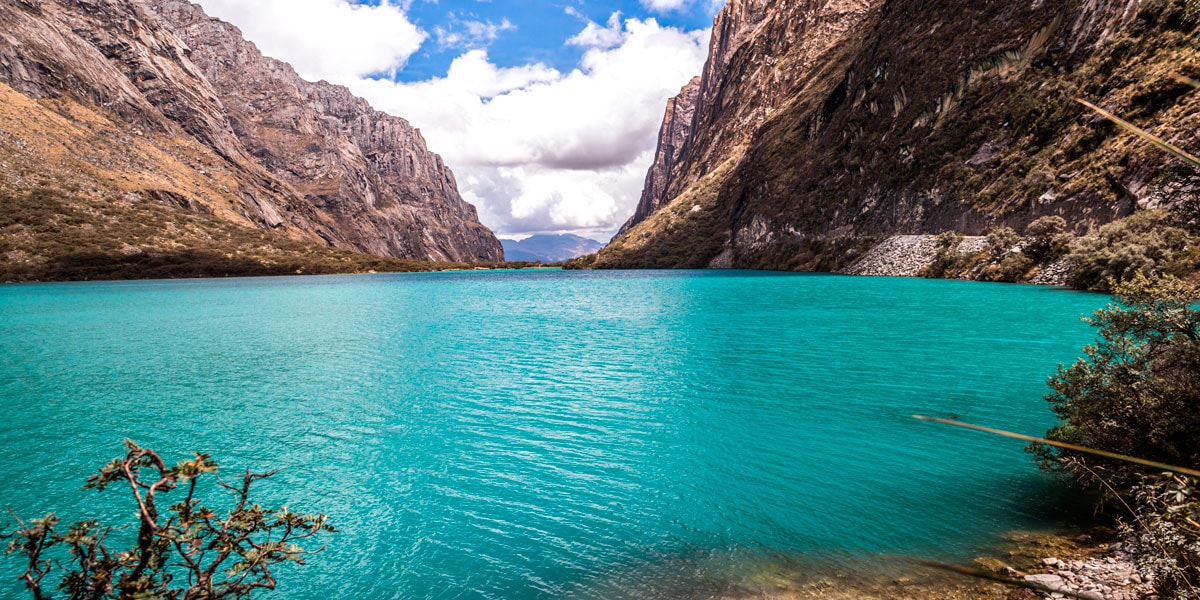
<point x="906" y="255"/>
<point x="1087" y="568"/>
<point x="1110" y="577"/>
<point x="897" y="256"/>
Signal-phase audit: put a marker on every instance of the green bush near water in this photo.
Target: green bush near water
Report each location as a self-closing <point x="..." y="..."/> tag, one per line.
<point x="1146" y="243"/>
<point x="1137" y="392"/>
<point x="1006" y="263"/>
<point x="1047" y="239"/>
<point x="1165" y="536"/>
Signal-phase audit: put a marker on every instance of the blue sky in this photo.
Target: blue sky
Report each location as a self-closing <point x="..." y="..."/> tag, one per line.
<point x="538" y="33"/>
<point x="547" y="112"/>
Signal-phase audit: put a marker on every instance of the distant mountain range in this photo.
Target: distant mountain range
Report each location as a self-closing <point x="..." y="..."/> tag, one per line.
<point x="549" y="248"/>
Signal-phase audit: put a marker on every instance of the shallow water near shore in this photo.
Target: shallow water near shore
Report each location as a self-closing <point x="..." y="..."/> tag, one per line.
<point x="527" y="435"/>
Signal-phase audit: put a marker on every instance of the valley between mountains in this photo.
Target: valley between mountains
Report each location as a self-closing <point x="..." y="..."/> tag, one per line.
<point x="143" y="138"/>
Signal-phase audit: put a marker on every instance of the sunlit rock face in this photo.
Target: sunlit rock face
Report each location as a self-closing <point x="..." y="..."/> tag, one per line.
<point x="309" y="160"/>
<point x="820" y="127"/>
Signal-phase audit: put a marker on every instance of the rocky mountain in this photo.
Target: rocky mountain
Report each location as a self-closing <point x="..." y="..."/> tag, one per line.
<point x="549" y="248"/>
<point x="673" y="138"/>
<point x="152" y="101"/>
<point x="820" y="128"/>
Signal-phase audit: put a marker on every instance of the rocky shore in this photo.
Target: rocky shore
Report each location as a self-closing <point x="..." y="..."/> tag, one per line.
<point x="907" y="255"/>
<point x="897" y="256"/>
<point x="1111" y="577"/>
<point x="1071" y="563"/>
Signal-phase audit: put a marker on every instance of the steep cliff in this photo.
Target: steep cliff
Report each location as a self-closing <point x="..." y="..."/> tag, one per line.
<point x="823" y="126"/>
<point x="372" y="173"/>
<point x="162" y="104"/>
<point x="673" y="137"/>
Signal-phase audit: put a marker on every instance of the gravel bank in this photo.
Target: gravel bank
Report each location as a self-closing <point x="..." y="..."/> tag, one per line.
<point x="906" y="255"/>
<point x="1109" y="577"/>
<point x="897" y="256"/>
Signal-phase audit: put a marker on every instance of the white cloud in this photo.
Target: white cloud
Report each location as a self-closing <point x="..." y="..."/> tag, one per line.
<point x="662" y="6"/>
<point x="535" y="149"/>
<point x="470" y="34"/>
<point x="325" y="39"/>
<point x="540" y="150"/>
<point x="597" y="36"/>
<point x="532" y="198"/>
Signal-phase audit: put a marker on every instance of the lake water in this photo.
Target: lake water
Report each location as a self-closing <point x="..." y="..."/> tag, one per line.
<point x="529" y="435"/>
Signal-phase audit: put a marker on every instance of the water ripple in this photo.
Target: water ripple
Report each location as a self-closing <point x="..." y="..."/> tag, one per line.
<point x="553" y="435"/>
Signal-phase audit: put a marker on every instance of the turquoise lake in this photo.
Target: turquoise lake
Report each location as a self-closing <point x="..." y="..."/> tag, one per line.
<point x="546" y="435"/>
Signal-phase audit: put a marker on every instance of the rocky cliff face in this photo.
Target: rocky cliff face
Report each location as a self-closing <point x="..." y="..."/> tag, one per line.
<point x="823" y="126"/>
<point x="673" y="137"/>
<point x="203" y="121"/>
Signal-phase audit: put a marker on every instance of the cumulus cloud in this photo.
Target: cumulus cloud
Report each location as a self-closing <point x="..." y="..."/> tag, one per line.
<point x="597" y="36"/>
<point x="531" y="198"/>
<point x="667" y="6"/>
<point x="540" y="150"/>
<point x="326" y="39"/>
<point x="534" y="148"/>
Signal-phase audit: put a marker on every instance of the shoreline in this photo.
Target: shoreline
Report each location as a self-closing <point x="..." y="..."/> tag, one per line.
<point x="421" y="268"/>
<point x="1072" y="561"/>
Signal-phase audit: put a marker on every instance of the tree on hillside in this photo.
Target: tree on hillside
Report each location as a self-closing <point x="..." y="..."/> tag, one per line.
<point x="1047" y="238"/>
<point x="192" y="552"/>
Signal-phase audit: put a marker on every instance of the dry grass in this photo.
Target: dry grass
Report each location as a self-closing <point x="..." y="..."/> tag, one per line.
<point x="85" y="197"/>
<point x="47" y="234"/>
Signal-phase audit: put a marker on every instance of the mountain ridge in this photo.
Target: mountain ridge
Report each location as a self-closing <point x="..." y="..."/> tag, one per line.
<point x="823" y="127"/>
<point x="182" y="111"/>
<point x="549" y="248"/>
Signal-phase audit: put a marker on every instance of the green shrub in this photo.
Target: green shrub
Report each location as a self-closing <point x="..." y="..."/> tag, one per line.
<point x="1013" y="268"/>
<point x="1187" y="214"/>
<point x="948" y="262"/>
<point x="1147" y="243"/>
<point x="188" y="550"/>
<point x="1137" y="390"/>
<point x="1046" y="239"/>
<point x="1164" y="536"/>
<point x="1001" y="240"/>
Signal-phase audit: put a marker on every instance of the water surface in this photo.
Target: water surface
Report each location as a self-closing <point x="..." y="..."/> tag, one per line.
<point x="528" y="435"/>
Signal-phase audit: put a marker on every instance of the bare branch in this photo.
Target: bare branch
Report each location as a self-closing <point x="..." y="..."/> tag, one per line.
<point x="1064" y="445"/>
<point x="1158" y="142"/>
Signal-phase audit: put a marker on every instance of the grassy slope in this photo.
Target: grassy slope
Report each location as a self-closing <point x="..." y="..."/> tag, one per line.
<point x="82" y="197"/>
